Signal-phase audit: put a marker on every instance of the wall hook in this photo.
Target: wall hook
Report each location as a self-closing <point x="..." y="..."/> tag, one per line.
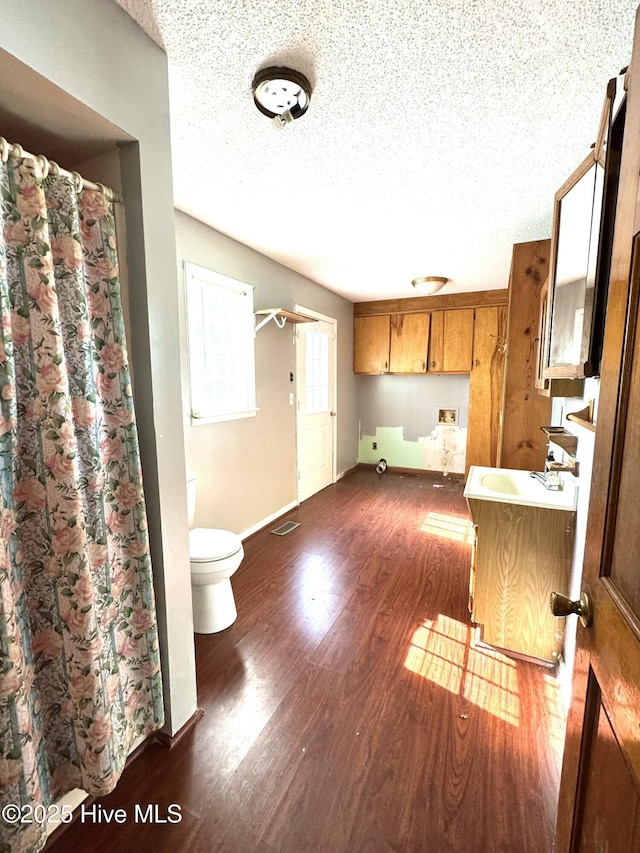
<point x="500" y="343"/>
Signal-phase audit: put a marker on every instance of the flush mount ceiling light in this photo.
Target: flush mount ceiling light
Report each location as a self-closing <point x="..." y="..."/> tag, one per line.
<point x="281" y="94"/>
<point x="429" y="284"/>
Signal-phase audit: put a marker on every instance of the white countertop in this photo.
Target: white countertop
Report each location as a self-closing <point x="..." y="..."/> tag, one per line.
<point x="509" y="485"/>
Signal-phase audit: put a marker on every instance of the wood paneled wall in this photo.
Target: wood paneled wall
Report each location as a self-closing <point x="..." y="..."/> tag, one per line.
<point x="522" y="444"/>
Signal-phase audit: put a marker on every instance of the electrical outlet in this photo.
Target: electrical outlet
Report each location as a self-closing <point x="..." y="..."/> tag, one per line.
<point x="375" y="445"/>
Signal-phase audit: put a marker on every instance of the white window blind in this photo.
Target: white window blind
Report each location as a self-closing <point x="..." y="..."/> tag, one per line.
<point x="221" y="345"/>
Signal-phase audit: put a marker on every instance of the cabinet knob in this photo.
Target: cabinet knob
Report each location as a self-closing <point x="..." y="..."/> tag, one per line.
<point x="424" y="366"/>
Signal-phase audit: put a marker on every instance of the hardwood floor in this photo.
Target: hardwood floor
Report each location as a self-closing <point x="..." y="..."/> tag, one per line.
<point x="347" y="709"/>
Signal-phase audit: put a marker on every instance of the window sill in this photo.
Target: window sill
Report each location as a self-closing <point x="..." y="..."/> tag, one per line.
<point x="229" y="416"/>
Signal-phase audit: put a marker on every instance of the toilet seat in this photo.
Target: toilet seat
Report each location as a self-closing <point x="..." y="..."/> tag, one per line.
<point x="209" y="544"/>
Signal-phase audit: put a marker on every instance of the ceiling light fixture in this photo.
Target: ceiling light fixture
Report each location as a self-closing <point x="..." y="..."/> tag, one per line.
<point x="429" y="284"/>
<point x="281" y="94"/>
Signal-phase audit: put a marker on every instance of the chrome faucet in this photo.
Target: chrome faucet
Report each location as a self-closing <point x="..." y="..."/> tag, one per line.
<point x="550" y="479"/>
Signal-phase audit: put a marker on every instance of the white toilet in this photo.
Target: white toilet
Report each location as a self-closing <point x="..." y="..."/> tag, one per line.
<point x="214" y="555"/>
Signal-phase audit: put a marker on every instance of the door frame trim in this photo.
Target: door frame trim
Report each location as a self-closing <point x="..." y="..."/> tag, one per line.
<point x="309" y="312"/>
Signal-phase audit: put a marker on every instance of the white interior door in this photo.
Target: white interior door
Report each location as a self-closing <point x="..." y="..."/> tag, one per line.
<point x="316" y="412"/>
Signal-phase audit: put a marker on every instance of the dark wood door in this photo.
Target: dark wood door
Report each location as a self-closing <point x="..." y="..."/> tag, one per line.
<point x="599" y="807"/>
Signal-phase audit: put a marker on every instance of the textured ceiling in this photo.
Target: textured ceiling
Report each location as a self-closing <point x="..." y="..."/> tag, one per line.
<point x="437" y="134"/>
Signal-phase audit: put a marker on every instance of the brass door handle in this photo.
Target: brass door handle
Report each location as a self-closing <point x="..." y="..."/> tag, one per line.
<point x="563" y="606"/>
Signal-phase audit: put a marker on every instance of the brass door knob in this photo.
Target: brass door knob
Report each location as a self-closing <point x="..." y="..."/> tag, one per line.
<point x="563" y="606"/>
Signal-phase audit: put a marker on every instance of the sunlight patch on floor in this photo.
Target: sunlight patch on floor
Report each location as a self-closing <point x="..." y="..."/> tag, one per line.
<point x="318" y="605"/>
<point x="441" y="652"/>
<point x="454" y="527"/>
<point x="241" y="719"/>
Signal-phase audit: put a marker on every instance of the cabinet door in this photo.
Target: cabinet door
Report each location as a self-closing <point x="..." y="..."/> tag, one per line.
<point x="409" y="343"/>
<point x="451" y="344"/>
<point x="371" y="344"/>
<point x="485" y="386"/>
<point x="523" y="554"/>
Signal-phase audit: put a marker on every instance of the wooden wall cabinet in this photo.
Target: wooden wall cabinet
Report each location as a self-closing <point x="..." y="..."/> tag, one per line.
<point x="583" y="223"/>
<point x="522" y="555"/>
<point x="372" y="336"/>
<point x="409" y="342"/>
<point x="451" y="341"/>
<point x="438" y="342"/>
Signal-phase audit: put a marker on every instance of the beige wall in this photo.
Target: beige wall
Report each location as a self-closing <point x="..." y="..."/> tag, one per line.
<point x="87" y="62"/>
<point x="247" y="468"/>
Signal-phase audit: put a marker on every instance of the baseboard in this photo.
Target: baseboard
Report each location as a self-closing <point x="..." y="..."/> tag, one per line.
<point x="347" y="473"/>
<point x="256" y="528"/>
<point x="171" y="740"/>
<point x="411" y="472"/>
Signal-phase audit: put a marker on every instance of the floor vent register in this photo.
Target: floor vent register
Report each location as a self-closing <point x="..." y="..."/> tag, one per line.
<point x="285" y="528"/>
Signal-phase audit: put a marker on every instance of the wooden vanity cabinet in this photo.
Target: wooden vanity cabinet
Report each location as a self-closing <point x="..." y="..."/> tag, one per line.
<point x="372" y="337"/>
<point x="522" y="555"/>
<point x="409" y="342"/>
<point x="451" y="341"/>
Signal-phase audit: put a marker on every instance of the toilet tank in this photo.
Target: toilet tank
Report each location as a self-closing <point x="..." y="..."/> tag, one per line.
<point x="191" y="496"/>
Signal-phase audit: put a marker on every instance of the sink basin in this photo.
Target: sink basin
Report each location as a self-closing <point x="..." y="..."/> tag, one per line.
<point x="508" y="485"/>
<point x="504" y="484"/>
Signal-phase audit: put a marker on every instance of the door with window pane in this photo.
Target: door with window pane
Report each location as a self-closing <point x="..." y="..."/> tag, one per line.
<point x="315" y="356"/>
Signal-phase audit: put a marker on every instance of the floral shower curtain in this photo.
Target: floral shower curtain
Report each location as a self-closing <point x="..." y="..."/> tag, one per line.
<point x="79" y="662"/>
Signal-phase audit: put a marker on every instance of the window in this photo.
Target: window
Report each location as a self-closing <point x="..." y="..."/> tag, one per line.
<point x="221" y="346"/>
<point x="317" y="371"/>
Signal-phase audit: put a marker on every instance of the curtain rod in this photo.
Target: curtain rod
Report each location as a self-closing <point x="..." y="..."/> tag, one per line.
<point x="49" y="167"/>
